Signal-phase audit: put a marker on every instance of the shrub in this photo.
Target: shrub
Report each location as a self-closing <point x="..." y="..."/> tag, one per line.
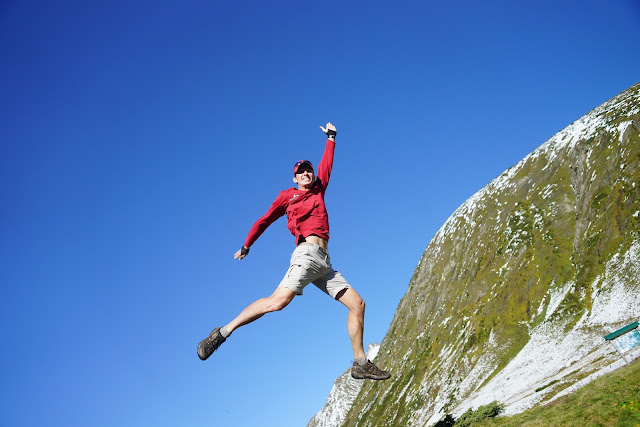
<point x="471" y="417"/>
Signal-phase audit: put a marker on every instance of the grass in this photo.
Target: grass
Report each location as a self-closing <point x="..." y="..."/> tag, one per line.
<point x="611" y="400"/>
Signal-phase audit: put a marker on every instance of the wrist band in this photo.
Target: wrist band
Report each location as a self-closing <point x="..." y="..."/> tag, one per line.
<point x="331" y="132"/>
<point x="244" y="250"/>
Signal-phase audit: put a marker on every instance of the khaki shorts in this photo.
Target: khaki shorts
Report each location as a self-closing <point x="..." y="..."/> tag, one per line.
<point x="311" y="264"/>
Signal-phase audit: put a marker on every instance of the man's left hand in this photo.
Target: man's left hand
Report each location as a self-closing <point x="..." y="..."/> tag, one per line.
<point x="330" y="130"/>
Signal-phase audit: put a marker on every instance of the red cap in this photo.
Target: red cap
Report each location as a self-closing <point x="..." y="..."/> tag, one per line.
<point x="301" y="163"/>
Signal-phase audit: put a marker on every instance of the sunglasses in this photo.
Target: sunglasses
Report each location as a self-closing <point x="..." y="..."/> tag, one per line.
<point x="301" y="163"/>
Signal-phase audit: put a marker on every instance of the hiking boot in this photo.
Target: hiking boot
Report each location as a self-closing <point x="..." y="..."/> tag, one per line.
<point x="368" y="371"/>
<point x="210" y="344"/>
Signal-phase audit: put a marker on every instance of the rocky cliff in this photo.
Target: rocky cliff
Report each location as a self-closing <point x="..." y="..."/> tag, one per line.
<point x="343" y="393"/>
<point x="512" y="296"/>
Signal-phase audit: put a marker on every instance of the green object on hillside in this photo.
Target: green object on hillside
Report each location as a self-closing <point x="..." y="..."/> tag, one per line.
<point x="621" y="331"/>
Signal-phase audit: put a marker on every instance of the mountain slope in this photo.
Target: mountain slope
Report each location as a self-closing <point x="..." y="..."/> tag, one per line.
<point x="513" y="294"/>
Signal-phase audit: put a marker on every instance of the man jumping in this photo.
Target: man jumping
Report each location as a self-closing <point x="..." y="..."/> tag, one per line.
<point x="308" y="221"/>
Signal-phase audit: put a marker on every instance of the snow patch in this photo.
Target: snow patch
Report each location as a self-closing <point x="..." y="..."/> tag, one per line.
<point x="622" y="127"/>
<point x="615" y="297"/>
<point x="556" y="295"/>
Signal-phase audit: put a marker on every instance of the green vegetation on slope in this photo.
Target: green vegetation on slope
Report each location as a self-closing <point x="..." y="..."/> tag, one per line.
<point x="611" y="400"/>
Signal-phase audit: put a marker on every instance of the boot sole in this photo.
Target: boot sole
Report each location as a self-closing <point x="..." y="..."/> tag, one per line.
<point x="202" y="356"/>
<point x="364" y="377"/>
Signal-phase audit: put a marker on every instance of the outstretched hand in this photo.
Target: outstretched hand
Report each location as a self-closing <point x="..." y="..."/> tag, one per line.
<point x="243" y="252"/>
<point x="330" y="130"/>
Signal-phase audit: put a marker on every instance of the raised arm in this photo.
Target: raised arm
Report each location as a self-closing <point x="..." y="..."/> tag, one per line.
<point x="326" y="164"/>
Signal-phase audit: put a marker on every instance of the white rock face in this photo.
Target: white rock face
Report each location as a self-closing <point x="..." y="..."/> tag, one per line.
<point x="344" y="391"/>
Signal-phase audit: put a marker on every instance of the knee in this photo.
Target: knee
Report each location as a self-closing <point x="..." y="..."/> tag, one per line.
<point x="359" y="306"/>
<point x="277" y="304"/>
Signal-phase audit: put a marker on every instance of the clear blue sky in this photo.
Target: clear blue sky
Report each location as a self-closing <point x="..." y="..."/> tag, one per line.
<point x="141" y="140"/>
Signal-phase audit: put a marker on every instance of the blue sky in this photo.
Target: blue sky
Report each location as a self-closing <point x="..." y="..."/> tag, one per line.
<point x="141" y="140"/>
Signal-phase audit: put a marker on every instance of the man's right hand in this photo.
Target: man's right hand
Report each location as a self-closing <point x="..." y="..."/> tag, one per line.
<point x="243" y="252"/>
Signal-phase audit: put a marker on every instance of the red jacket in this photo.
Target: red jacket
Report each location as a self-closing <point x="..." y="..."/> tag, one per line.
<point x="305" y="210"/>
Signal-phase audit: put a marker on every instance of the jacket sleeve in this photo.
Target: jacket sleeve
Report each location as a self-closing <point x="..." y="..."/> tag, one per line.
<point x="326" y="164"/>
<point x="277" y="209"/>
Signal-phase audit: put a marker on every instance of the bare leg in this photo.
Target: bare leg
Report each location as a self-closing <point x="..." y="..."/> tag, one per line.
<point x="355" y="320"/>
<point x="280" y="298"/>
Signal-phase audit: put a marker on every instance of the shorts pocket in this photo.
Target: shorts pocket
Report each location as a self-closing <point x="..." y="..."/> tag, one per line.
<point x="303" y="269"/>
